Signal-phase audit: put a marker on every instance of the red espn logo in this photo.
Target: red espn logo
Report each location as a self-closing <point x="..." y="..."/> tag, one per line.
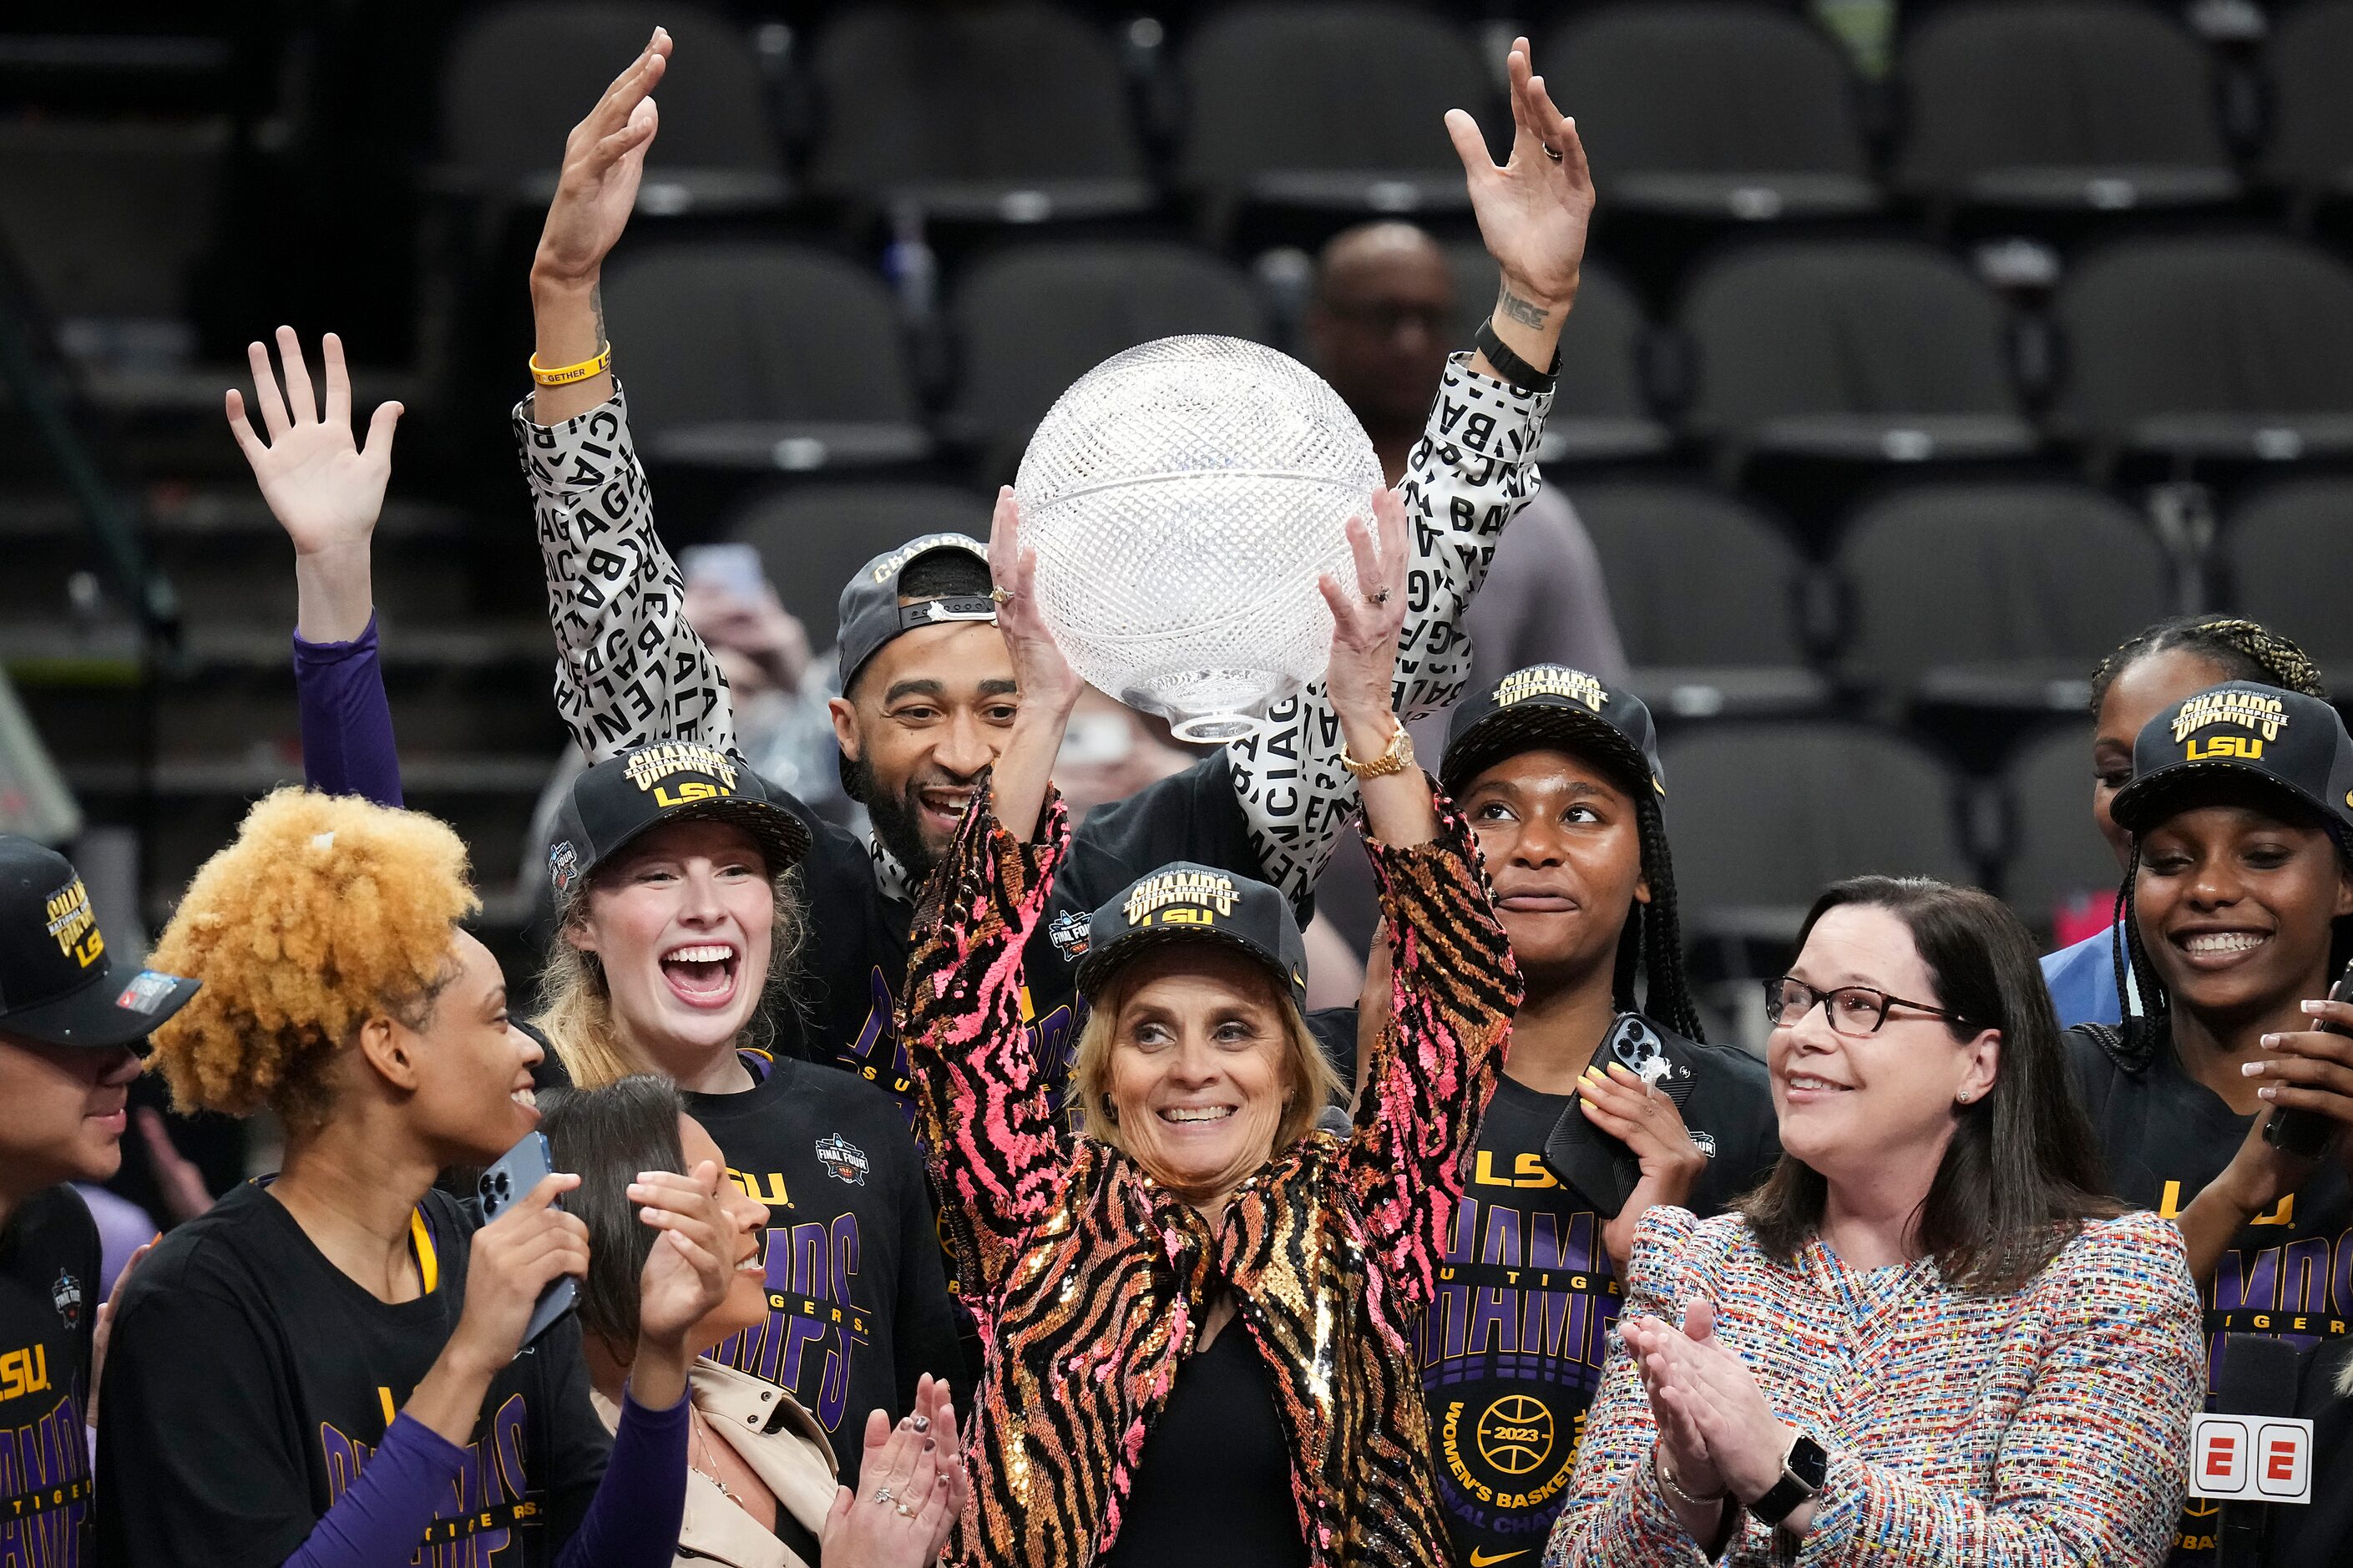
<point x="2253" y="1458"/>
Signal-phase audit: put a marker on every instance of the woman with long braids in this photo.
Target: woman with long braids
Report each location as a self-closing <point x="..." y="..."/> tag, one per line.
<point x="2236" y="917"/>
<point x="2147" y="674"/>
<point x="1557" y="775"/>
<point x="1197" y="1310"/>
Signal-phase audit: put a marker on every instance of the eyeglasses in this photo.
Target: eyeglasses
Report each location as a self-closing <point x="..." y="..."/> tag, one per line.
<point x="1858" y="1012"/>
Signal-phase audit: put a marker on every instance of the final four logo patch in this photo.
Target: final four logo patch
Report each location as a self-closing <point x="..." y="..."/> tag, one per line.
<point x="66" y="1297"/>
<point x="842" y="1160"/>
<point x="1068" y="932"/>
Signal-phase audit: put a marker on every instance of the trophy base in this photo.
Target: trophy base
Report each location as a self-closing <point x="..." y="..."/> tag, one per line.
<point x="1209" y="706"/>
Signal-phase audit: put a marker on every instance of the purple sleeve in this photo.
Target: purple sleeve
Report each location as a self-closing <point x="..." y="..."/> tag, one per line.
<point x="347" y="747"/>
<point x="380" y="1520"/>
<point x="633" y="1520"/>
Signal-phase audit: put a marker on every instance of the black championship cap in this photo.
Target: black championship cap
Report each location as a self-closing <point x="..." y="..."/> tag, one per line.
<point x="668" y="781"/>
<point x="871" y="614"/>
<point x="1197" y="903"/>
<point x="2240" y="736"/>
<point x="1552" y="705"/>
<point x="58" y="983"/>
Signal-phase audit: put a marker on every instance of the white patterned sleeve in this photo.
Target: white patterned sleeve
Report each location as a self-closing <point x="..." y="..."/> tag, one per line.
<point x="628" y="668"/>
<point x="1472" y="471"/>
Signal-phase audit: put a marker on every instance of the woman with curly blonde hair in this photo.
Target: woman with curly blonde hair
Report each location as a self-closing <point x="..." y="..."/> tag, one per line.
<point x="349" y="1335"/>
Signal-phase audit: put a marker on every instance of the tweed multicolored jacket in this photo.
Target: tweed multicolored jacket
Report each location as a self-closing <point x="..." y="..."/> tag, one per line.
<point x="1090" y="1280"/>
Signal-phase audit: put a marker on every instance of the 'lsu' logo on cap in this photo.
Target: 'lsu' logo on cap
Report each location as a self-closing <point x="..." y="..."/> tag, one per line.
<point x="1550" y="680"/>
<point x="647" y="768"/>
<point x="73" y="925"/>
<point x="2250" y="709"/>
<point x="1206" y="890"/>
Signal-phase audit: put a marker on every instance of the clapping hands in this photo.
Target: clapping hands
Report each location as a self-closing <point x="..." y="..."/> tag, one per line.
<point x="911" y="1487"/>
<point x="1717" y="1433"/>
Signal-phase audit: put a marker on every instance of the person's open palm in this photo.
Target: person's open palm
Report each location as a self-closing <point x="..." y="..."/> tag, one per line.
<point x="604" y="160"/>
<point x="1532" y="209"/>
<point x="323" y="488"/>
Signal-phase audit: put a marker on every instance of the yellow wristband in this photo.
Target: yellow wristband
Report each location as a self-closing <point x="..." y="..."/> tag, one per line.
<point x="569" y="374"/>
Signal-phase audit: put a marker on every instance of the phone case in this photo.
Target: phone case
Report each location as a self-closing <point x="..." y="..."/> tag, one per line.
<point x="517" y="1172"/>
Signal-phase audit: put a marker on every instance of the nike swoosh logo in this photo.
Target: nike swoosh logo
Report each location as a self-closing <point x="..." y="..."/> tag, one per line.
<point x="1479" y="1559"/>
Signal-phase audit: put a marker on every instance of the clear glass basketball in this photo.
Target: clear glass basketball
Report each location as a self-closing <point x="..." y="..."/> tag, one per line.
<point x="1182" y="497"/>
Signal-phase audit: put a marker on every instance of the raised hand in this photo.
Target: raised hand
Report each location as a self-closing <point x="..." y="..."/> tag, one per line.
<point x="604" y="159"/>
<point x="1535" y="208"/>
<point x="1048" y="685"/>
<point x="687" y="1273"/>
<point x="325" y="490"/>
<point x="1364" y="624"/>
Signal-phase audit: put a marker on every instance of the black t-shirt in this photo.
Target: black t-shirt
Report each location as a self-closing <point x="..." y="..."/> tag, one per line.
<point x="857" y="1302"/>
<point x="1512" y="1345"/>
<point x="249" y="1381"/>
<point x="2298" y="1535"/>
<point x="857" y="951"/>
<point x="49" y="1292"/>
<point x="2163" y="1136"/>
<point x="1219" y="1442"/>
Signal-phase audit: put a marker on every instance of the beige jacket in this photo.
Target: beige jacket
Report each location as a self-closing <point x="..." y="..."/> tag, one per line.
<point x="785" y="1448"/>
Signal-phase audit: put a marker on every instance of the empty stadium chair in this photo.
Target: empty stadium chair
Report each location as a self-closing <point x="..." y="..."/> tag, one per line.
<point x="1014" y="114"/>
<point x="756" y="356"/>
<point x="1329" y="104"/>
<point x="1866" y="351"/>
<point x="2308" y="63"/>
<point x="1708" y="594"/>
<point x="811" y="538"/>
<point x="2057" y="858"/>
<point x="2085" y="104"/>
<point x="1713" y="110"/>
<point x="1996" y="594"/>
<point x="1764" y="815"/>
<point x="2227" y="347"/>
<point x="2288" y="552"/>
<point x="1029" y="322"/>
<point x="1599" y="411"/>
<point x="521" y="76"/>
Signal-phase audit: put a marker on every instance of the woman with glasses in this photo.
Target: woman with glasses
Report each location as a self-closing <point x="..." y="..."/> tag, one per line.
<point x="1925" y="1338"/>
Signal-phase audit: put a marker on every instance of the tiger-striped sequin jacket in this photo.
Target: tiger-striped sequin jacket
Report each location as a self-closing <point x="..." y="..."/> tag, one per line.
<point x="1089" y="1280"/>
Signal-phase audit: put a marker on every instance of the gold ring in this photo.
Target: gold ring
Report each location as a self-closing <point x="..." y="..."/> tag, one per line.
<point x="1000" y="596"/>
<point x="1551" y="151"/>
<point x="905" y="1513"/>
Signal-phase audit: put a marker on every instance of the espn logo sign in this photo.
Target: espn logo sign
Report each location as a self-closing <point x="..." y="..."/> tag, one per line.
<point x="2250" y="1458"/>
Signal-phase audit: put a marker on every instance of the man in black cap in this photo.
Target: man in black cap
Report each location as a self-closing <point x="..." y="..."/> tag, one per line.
<point x="72" y="1015"/>
<point x="1270" y="806"/>
<point x="1608" y="1104"/>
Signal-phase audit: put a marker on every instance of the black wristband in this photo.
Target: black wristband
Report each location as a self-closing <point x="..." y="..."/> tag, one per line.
<point x="1511" y="366"/>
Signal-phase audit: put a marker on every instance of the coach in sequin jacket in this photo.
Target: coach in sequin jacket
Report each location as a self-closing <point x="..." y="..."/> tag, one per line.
<point x="1090" y="1279"/>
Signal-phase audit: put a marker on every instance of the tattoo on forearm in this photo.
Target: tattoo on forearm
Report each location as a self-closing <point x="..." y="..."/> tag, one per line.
<point x="596" y="305"/>
<point x="1525" y="311"/>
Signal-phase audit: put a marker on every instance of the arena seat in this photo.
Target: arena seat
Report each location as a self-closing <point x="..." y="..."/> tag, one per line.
<point x="2306" y="64"/>
<point x="1709" y="109"/>
<point x="1995" y="593"/>
<point x="812" y="537"/>
<point x="2059" y="104"/>
<point x="752" y="355"/>
<point x="1599" y="409"/>
<point x="1708" y="593"/>
<point x="2056" y="857"/>
<point x="2228" y="346"/>
<point x="2288" y="554"/>
<point x="1013" y="113"/>
<point x="1764" y="814"/>
<point x="1862" y="351"/>
<point x="1031" y="320"/>
<point x="519" y="76"/>
<point x="1333" y="105"/>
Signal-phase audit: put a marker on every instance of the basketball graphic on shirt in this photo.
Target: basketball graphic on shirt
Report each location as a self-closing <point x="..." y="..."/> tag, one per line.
<point x="1516" y="1433"/>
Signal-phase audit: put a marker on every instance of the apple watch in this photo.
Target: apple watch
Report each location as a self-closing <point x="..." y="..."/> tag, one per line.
<point x="1803" y="1470"/>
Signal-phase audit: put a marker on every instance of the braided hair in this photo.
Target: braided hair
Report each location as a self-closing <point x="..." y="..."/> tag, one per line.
<point x="2243" y="650"/>
<point x="1656" y="929"/>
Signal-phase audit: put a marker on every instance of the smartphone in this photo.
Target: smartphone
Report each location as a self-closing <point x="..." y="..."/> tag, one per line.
<point x="2308" y="1132"/>
<point x="1633" y="1045"/>
<point x="509" y="1181"/>
<point x="730" y="569"/>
